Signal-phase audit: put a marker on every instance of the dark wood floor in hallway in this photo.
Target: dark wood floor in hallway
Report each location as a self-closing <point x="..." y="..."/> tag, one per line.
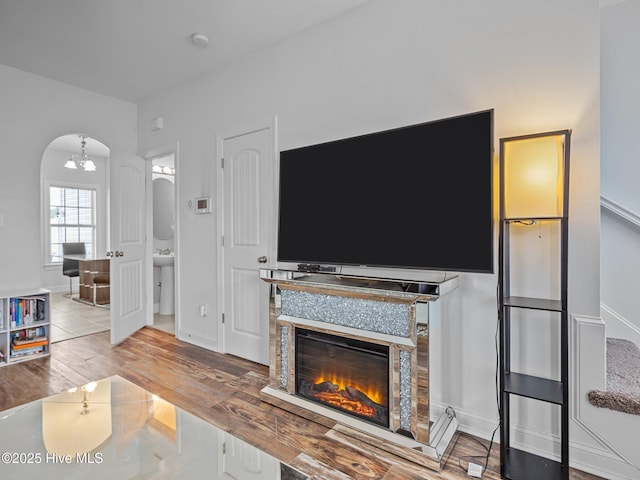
<point x="225" y="391"/>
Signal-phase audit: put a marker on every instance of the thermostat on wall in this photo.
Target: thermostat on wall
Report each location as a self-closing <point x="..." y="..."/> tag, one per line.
<point x="203" y="205"/>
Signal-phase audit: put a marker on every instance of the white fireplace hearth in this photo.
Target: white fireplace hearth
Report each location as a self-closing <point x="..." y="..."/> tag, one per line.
<point x="361" y="344"/>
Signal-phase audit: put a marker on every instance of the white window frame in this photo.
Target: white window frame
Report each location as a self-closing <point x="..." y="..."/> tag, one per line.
<point x="46" y="244"/>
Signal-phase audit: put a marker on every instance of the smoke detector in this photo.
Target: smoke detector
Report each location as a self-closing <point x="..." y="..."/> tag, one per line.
<point x="200" y="40"/>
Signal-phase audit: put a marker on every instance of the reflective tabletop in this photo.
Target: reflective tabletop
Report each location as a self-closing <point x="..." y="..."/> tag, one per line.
<point x="113" y="429"/>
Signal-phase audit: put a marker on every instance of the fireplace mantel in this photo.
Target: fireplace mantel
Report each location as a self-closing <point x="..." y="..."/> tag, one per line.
<point x="393" y="313"/>
<point x="419" y="291"/>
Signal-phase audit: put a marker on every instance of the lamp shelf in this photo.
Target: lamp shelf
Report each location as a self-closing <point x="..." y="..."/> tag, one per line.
<point x="521" y="464"/>
<point x="533" y="303"/>
<point x="538" y="388"/>
<point x="532" y="219"/>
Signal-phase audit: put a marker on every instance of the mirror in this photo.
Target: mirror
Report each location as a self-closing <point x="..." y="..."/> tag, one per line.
<point x="163" y="209"/>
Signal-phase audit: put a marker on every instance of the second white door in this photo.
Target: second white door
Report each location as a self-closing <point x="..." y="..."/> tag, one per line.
<point x="248" y="170"/>
<point x="127" y="244"/>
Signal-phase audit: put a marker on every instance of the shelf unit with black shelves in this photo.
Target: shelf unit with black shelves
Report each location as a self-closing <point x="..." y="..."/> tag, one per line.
<point x="518" y="464"/>
<point x="24" y="326"/>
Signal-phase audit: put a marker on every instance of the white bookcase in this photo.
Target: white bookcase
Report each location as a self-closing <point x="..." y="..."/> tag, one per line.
<point x="24" y="326"/>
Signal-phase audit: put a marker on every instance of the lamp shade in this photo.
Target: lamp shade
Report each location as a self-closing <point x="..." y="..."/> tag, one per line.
<point x="71" y="164"/>
<point x="89" y="166"/>
<point x="533" y="176"/>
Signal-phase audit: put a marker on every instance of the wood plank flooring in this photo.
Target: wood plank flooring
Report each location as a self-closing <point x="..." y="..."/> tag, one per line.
<point x="225" y="391"/>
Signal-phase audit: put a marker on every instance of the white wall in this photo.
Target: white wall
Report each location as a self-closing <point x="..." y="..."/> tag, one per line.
<point x="620" y="124"/>
<point x="386" y="64"/>
<point x="35" y="111"/>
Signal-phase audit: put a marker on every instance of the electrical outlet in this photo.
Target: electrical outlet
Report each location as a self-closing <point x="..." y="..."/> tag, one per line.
<point x="475" y="470"/>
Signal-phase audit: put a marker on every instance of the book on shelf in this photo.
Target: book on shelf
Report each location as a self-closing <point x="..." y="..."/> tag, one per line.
<point x="26" y="352"/>
<point x="28" y="340"/>
<point x="22" y="340"/>
<point x="25" y="343"/>
<point x="36" y="342"/>
<point x="26" y="310"/>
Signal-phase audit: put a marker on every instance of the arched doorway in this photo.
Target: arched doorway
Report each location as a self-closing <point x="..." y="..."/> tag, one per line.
<point x="75" y="185"/>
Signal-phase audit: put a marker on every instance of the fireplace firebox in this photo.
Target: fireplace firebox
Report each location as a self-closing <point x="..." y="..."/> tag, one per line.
<point x="346" y="374"/>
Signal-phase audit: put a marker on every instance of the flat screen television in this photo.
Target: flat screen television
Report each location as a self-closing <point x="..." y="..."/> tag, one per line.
<point x="415" y="197"/>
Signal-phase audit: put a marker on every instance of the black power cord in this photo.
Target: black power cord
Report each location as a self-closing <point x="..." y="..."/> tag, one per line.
<point x="468" y="459"/>
<point x="497" y="382"/>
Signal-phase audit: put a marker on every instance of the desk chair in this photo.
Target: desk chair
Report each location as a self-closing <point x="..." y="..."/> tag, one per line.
<point x="98" y="282"/>
<point x="71" y="267"/>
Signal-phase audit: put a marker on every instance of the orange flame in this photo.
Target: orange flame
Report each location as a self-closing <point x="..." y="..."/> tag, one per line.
<point x="339" y="401"/>
<point x="342" y="382"/>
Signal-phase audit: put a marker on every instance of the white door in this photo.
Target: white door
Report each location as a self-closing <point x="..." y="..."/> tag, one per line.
<point x="248" y="172"/>
<point x="127" y="243"/>
<point x="241" y="461"/>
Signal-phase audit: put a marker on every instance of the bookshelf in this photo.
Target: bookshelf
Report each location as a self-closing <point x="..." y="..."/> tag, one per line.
<point x="24" y="326"/>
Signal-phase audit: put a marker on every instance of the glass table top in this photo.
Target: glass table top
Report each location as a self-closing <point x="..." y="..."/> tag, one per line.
<point x="113" y="429"/>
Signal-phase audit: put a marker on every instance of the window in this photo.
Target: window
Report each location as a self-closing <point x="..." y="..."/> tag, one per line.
<point x="72" y="218"/>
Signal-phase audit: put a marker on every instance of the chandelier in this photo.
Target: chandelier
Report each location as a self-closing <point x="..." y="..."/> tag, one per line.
<point x="83" y="160"/>
<point x="86" y="390"/>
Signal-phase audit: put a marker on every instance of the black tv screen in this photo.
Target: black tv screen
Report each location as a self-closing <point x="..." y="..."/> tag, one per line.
<point x="416" y="197"/>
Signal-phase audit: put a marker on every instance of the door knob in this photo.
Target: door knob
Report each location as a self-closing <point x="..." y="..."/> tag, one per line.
<point x="109" y="254"/>
<point x="119" y="254"/>
<point x="262" y="259"/>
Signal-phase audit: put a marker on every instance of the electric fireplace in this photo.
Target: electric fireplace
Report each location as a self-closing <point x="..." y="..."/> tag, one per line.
<point x="352" y="353"/>
<point x="343" y="373"/>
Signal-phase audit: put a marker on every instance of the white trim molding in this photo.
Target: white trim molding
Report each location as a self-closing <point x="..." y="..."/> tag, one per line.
<point x="618" y="326"/>
<point x="614" y="431"/>
<point x="623" y="212"/>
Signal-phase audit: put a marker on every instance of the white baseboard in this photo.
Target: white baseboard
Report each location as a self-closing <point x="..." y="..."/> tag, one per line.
<point x="477" y="425"/>
<point x="60" y="289"/>
<point x="204" y="342"/>
<point x="600" y="461"/>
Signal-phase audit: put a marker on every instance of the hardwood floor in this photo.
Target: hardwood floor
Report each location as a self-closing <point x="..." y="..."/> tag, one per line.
<point x="225" y="391"/>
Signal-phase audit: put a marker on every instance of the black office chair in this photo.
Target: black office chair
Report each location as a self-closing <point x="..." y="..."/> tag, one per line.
<point x="71" y="267"/>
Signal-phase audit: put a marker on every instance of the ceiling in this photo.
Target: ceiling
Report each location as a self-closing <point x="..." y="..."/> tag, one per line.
<point x="133" y="50"/>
